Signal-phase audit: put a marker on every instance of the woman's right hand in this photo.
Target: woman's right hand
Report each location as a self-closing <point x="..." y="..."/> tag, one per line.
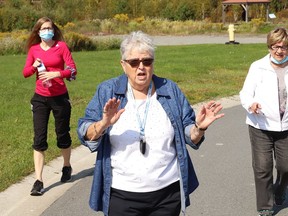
<point x="37" y="63"/>
<point x="111" y="114"/>
<point x="255" y="108"/>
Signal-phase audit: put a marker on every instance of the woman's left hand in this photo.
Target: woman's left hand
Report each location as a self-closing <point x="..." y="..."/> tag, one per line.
<point x="45" y="76"/>
<point x="208" y="114"/>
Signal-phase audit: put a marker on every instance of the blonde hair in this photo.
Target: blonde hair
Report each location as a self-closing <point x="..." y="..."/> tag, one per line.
<point x="276" y="36"/>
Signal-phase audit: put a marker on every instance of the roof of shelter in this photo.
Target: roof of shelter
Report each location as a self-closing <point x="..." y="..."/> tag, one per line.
<point x="244" y="1"/>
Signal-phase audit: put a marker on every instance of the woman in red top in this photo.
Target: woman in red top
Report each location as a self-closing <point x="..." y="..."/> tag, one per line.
<point x="51" y="60"/>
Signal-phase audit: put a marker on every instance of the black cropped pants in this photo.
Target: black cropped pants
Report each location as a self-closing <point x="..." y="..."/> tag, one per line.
<point x="164" y="202"/>
<point x="41" y="107"/>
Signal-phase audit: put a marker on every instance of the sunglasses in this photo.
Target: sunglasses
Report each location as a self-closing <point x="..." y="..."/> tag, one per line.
<point x="136" y="62"/>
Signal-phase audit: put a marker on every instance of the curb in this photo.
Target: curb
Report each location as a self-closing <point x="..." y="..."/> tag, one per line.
<point x="16" y="200"/>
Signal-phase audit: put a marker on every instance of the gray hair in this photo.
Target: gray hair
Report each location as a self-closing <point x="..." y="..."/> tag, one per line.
<point x="139" y="41"/>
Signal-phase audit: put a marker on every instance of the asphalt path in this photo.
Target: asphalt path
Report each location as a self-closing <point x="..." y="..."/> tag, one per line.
<point x="200" y="39"/>
<point x="223" y="166"/>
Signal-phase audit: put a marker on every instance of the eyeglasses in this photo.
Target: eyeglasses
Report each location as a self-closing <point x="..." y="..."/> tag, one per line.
<point x="283" y="48"/>
<point x="46" y="28"/>
<point x="136" y="62"/>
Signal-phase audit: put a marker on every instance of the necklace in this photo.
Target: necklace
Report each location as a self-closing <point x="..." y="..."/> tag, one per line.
<point x="141" y="122"/>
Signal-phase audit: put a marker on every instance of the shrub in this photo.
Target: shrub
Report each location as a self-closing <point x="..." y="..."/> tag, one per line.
<point x="84" y="27"/>
<point x="283" y="14"/>
<point x="13" y="43"/>
<point x="69" y="26"/>
<point x="124" y="18"/>
<point x="110" y="43"/>
<point x="79" y="42"/>
<point x="107" y="26"/>
<point x="139" y="19"/>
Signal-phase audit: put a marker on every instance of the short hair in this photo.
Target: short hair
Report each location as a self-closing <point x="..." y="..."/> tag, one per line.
<point x="137" y="40"/>
<point x="277" y="35"/>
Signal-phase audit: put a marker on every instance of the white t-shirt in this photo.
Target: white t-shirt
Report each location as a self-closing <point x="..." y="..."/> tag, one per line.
<point x="157" y="168"/>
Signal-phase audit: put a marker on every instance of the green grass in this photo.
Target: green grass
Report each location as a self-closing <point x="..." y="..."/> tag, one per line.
<point x="202" y="71"/>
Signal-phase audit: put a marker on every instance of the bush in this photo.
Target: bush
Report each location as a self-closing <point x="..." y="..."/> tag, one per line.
<point x="13" y="43"/>
<point x="79" y="42"/>
<point x="107" y="26"/>
<point x="15" y="19"/>
<point x="123" y="18"/>
<point x="282" y="15"/>
<point x="84" y="27"/>
<point x="107" y="44"/>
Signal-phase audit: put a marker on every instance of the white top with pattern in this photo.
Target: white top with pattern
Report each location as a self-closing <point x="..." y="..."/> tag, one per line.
<point x="157" y="168"/>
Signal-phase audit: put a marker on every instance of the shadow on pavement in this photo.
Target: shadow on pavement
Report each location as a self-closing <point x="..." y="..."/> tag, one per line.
<point x="278" y="209"/>
<point x="79" y="175"/>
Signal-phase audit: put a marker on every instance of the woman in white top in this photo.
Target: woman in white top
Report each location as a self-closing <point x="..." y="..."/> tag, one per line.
<point x="264" y="96"/>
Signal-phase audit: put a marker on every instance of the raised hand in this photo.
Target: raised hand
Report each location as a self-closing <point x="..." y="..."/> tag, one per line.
<point x="208" y="114"/>
<point x="111" y="114"/>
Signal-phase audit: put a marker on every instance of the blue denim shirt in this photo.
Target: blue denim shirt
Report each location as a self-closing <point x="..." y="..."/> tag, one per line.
<point x="181" y="115"/>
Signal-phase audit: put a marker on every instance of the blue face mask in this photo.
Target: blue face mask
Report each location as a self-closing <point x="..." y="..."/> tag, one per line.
<point x="279" y="62"/>
<point x="46" y="35"/>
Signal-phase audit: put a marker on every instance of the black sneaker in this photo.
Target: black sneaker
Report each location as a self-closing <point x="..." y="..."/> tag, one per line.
<point x="66" y="174"/>
<point x="279" y="197"/>
<point x="37" y="189"/>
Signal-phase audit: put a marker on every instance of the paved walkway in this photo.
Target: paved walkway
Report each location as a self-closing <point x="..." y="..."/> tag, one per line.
<point x="211" y="39"/>
<point x="202" y="39"/>
<point x="16" y="201"/>
<point x="223" y="166"/>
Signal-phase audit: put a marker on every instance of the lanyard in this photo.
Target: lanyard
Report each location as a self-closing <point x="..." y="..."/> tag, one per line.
<point x="142" y="122"/>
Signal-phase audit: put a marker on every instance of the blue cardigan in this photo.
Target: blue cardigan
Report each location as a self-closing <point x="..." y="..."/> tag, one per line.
<point x="181" y="115"/>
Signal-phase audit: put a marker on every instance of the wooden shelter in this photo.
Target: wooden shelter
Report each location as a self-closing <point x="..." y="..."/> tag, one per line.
<point x="245" y="5"/>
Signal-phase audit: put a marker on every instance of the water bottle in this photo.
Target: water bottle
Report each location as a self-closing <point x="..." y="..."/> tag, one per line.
<point x="41" y="68"/>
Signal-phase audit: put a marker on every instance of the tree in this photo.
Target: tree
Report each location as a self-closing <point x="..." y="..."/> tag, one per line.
<point x="122" y="7"/>
<point x="278" y="5"/>
<point x="184" y="12"/>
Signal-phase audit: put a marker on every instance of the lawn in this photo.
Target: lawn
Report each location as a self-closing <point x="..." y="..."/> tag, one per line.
<point x="202" y="71"/>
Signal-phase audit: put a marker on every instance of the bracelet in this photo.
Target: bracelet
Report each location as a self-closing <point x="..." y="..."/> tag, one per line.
<point x="94" y="126"/>
<point x="201" y="129"/>
<point x="96" y="132"/>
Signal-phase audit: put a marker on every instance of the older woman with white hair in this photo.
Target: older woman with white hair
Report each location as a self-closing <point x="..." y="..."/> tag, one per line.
<point x="139" y="124"/>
